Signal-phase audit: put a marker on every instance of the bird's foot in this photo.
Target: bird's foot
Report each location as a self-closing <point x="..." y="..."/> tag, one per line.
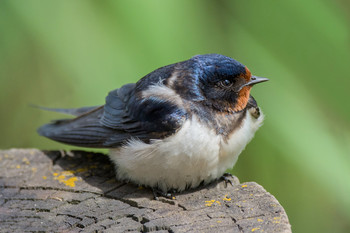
<point x="159" y="193"/>
<point x="226" y="177"/>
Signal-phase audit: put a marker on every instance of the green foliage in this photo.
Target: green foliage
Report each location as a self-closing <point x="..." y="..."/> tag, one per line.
<point x="71" y="53"/>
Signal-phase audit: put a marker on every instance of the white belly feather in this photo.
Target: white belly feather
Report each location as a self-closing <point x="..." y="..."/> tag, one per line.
<point x="194" y="154"/>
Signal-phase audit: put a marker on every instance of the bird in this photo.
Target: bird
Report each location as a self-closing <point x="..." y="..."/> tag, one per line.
<point x="181" y="126"/>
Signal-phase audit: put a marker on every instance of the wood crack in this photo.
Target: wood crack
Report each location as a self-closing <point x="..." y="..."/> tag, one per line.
<point x="32" y="199"/>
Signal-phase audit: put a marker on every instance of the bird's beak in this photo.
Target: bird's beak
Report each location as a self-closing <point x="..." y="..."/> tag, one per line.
<point x="254" y="80"/>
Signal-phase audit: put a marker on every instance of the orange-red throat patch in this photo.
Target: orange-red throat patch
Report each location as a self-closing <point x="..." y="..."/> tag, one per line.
<point x="247" y="74"/>
<point x="243" y="95"/>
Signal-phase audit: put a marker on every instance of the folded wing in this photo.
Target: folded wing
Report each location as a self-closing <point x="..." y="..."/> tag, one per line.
<point x="123" y="117"/>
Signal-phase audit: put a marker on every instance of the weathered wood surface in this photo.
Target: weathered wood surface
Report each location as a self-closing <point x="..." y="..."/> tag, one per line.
<point x="76" y="191"/>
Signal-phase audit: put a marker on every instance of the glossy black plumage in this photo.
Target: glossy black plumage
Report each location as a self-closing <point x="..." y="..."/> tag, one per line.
<point x="127" y="114"/>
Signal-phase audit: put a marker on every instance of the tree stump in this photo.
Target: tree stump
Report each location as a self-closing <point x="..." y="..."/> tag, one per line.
<point x="75" y="191"/>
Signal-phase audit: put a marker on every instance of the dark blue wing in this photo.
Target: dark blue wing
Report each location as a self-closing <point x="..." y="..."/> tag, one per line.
<point x="137" y="117"/>
<point x="124" y="116"/>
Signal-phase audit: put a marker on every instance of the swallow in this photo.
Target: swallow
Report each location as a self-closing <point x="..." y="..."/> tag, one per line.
<point x="179" y="126"/>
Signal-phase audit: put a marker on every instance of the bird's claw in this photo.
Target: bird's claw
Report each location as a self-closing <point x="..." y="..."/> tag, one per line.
<point x="159" y="193"/>
<point x="226" y="177"/>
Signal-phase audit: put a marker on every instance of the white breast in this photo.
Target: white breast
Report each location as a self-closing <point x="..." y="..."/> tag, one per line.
<point x="194" y="154"/>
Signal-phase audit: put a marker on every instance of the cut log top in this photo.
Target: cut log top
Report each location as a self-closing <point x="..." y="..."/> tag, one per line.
<point x="77" y="191"/>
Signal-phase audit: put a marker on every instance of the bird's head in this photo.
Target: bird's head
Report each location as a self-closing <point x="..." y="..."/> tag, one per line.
<point x="224" y="82"/>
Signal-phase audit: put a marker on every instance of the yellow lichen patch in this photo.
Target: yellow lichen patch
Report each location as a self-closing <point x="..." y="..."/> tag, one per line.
<point x="276" y="220"/>
<point x="209" y="203"/>
<point x="244" y="186"/>
<point x="62" y="177"/>
<point x="18" y="166"/>
<point x="6" y="156"/>
<point x="67" y="173"/>
<point x="44" y="177"/>
<point x="244" y="201"/>
<point x="34" y="169"/>
<point x="218" y="221"/>
<point x="25" y="160"/>
<point x="71" y="181"/>
<point x="256" y="228"/>
<point x="226" y="198"/>
<point x="260" y="220"/>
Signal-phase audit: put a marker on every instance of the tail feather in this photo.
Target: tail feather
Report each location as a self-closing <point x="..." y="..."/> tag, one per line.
<point x="69" y="111"/>
<point x="84" y="130"/>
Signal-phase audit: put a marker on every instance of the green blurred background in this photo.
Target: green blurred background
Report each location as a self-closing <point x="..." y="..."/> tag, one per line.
<point x="71" y="53"/>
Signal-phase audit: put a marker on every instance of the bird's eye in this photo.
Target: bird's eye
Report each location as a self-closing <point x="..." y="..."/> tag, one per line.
<point x="226" y="83"/>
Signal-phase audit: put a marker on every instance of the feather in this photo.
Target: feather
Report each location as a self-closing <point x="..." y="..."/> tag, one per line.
<point x="68" y="111"/>
<point x="122" y="118"/>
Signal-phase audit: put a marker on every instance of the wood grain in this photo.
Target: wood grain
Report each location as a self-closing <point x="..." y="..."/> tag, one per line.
<point x="76" y="192"/>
